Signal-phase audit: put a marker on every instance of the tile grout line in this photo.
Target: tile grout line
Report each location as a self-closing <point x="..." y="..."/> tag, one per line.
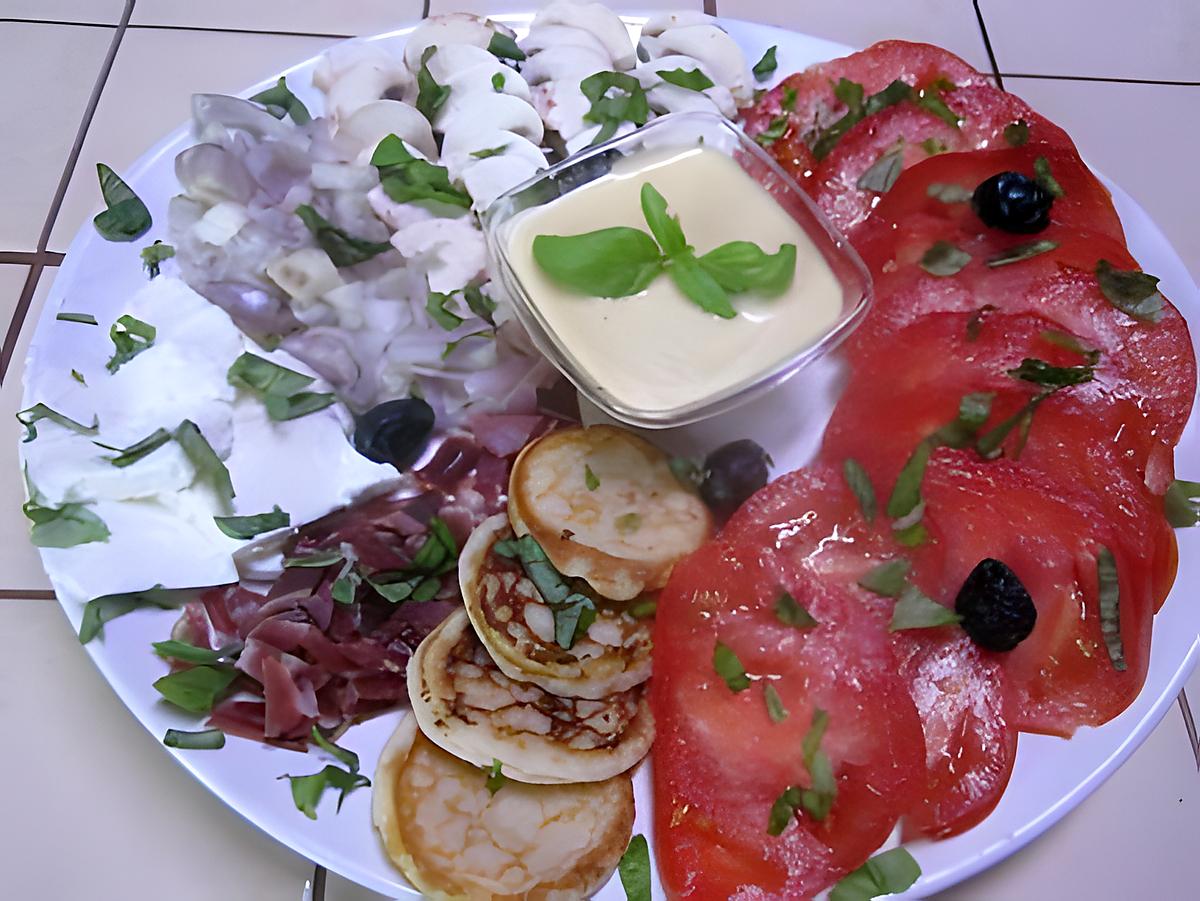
<point x="1190" y="725"/>
<point x="30" y="257"/>
<point x="987" y="45"/>
<point x="18" y="320"/>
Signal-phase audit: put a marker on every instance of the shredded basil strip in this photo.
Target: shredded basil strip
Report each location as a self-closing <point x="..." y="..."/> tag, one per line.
<point x="130" y="337"/>
<point x="346" y="758"/>
<point x="1016" y="134"/>
<point x="106" y="608"/>
<point x="126" y="217"/>
<point x="643" y="609"/>
<point x="573" y="611"/>
<point x="851" y="94"/>
<point x="318" y="559"/>
<point x="189" y="653"/>
<point x="860" y="483"/>
<point x="1182" y="504"/>
<point x="1019" y="252"/>
<point x="62" y="527"/>
<point x="616" y="97"/>
<point x="488" y="152"/>
<point x="341" y="248"/>
<point x="973" y="411"/>
<point x="906" y="494"/>
<point x="430" y="95"/>
<point x="209" y="467"/>
<point x="81" y="318"/>
<point x="1039" y="372"/>
<point x="944" y="259"/>
<point x="590" y="479"/>
<point x="916" y="610"/>
<point x="818" y="799"/>
<point x="729" y="667"/>
<point x="791" y="612"/>
<point x="140" y="449"/>
<point x="783" y="810"/>
<point x="882" y="174"/>
<point x="1131" y="291"/>
<point x="206" y="740"/>
<point x="887" y="873"/>
<point x="498" y="80"/>
<point x="406" y="178"/>
<point x="888" y="578"/>
<point x="496" y="779"/>
<point x="243" y="527"/>
<point x="1110" y="607"/>
<point x="504" y="47"/>
<point x="775" y="709"/>
<point x="634" y="869"/>
<point x="196" y="689"/>
<point x="307" y="790"/>
<point x="280" y="101"/>
<point x="1072" y="343"/>
<point x="689" y="79"/>
<point x="279" y="388"/>
<point x="1045" y="178"/>
<point x="766" y="65"/>
<point x="153" y="256"/>
<point x="31" y="416"/>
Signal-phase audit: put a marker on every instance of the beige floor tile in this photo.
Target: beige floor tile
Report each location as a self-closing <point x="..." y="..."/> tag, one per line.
<point x="102" y="812"/>
<point x="303" y="16"/>
<point x="20" y="565"/>
<point x="104" y="12"/>
<point x="147" y="95"/>
<point x="48" y="72"/>
<point x="1135" y="837"/>
<point x="1119" y="130"/>
<point x="489" y="7"/>
<point x="1154" y="39"/>
<point x="949" y="23"/>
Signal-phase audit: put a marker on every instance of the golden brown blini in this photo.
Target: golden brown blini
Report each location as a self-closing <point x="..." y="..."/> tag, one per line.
<point x="455" y="839"/>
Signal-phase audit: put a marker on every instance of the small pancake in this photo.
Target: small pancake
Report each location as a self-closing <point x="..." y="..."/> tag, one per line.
<point x="468" y="707"/>
<point x="517" y="627"/>
<point x="624" y="534"/>
<point x="453" y="839"/>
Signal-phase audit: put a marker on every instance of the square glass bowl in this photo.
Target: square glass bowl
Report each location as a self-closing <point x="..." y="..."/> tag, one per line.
<point x="682" y="131"/>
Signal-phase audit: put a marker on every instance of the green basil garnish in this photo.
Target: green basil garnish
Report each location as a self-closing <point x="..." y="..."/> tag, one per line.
<point x="860" y="483"/>
<point x="1039" y="372"/>
<point x="729" y="667"/>
<point x="887" y="873"/>
<point x="196" y="689"/>
<point x="944" y="259"/>
<point x="105" y="608"/>
<point x="243" y="527"/>
<point x="882" y="174"/>
<point x="1182" y="504"/>
<point x="574" y="612"/>
<point x="1016" y="134"/>
<point x="81" y="318"/>
<point x="1045" y="178"/>
<point x="1131" y="291"/>
<point x="341" y="248"/>
<point x="430" y="95"/>
<point x="590" y="479"/>
<point x="408" y="179"/>
<point x="887" y="578"/>
<point x="307" y="790"/>
<point x="280" y="101"/>
<point x="916" y="610"/>
<point x="1019" y="252"/>
<point x="634" y="869"/>
<point x="209" y="467"/>
<point x="279" y="388"/>
<point x="31" y="416"/>
<point x="616" y="97"/>
<point x="766" y="65"/>
<point x="189" y="653"/>
<point x="153" y="256"/>
<point x="65" y="526"/>
<point x="775" y="709"/>
<point x="504" y="47"/>
<point x="496" y="779"/>
<point x="130" y="337"/>
<point x="690" y="79"/>
<point x="1110" y="607"/>
<point x="126" y="217"/>
<point x="207" y="740"/>
<point x="488" y="152"/>
<point x="790" y="612"/>
<point x="140" y="449"/>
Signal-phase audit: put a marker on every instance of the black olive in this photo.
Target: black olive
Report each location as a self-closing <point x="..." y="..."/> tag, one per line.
<point x="997" y="611"/>
<point x="732" y="473"/>
<point x="394" y="432"/>
<point x="1013" y="202"/>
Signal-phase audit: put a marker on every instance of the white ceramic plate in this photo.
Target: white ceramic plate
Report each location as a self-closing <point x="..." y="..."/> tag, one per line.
<point x="1051" y="775"/>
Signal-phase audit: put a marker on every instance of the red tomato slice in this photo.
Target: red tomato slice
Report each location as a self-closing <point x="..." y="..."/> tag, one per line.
<point x="720" y="761"/>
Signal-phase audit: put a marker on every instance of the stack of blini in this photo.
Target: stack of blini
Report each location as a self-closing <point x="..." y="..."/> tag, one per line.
<point x="512" y="776"/>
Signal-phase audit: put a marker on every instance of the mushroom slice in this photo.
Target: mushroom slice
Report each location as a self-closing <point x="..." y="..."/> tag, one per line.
<point x="453" y="838"/>
<point x="517" y="627"/>
<point x="468" y="707"/>
<point x="623" y="529"/>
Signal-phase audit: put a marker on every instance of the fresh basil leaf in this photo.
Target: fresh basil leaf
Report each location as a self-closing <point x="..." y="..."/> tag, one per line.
<point x="195" y="689"/>
<point x="280" y="101"/>
<point x="32" y="415"/>
<point x="783" y="810"/>
<point x="317" y="559"/>
<point x="130" y="337"/>
<point x="341" y="248"/>
<point x="126" y="217"/>
<point x="106" y="608"/>
<point x="81" y="318"/>
<point x="911" y="535"/>
<point x="817" y="800"/>
<point x="741" y="266"/>
<point x="887" y="873"/>
<point x="1045" y="178"/>
<point x="1016" y="134"/>
<point x="294" y="406"/>
<point x="140" y="449"/>
<point x="948" y="192"/>
<point x="438" y="554"/>
<point x="1110" y="607"/>
<point x="791" y="612"/>
<point x="479" y="303"/>
<point x="572" y="619"/>
<point x="896" y="92"/>
<point x="616" y="97"/>
<point x="1039" y="372"/>
<point x="307" y="790"/>
<point x="1072" y="343"/>
<point x="1182" y="504"/>
<point x="243" y="527"/>
<point x="729" y="668"/>
<point x="209" y="467"/>
<point x="883" y="173"/>
<point x="78" y="376"/>
<point x="344" y="757"/>
<point x="906" y="494"/>
<point x="408" y="179"/>
<point x="973" y="411"/>
<point x="643" y="609"/>
<point x="775" y="130"/>
<point x="488" y="152"/>
<point x="611" y="262"/>
<point x="665" y="227"/>
<point x="689" y="79"/>
<point x="504" y="47"/>
<point x="206" y="740"/>
<point x="916" y="610"/>
<point x="944" y="259"/>
<point x="430" y="95"/>
<point x="264" y="377"/>
<point x="62" y="527"/>
<point x="860" y="483"/>
<point x="851" y="94"/>
<point x="930" y="100"/>
<point x="537" y="566"/>
<point x="589" y="478"/>
<point x="695" y="282"/>
<point x="766" y="65"/>
<point x="887" y="578"/>
<point x="347" y="581"/>
<point x="1131" y="291"/>
<point x="189" y="653"/>
<point x="498" y="80"/>
<point x="634" y="869"/>
<point x="153" y="256"/>
<point x="990" y="444"/>
<point x="1020" y="252"/>
<point x="495" y="777"/>
<point x="775" y="709"/>
<point x="452" y="346"/>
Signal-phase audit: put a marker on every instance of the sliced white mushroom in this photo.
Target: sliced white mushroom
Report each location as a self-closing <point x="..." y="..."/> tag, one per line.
<point x="360" y="133"/>
<point x="467" y="69"/>
<point x="488" y="179"/>
<point x="660" y="22"/>
<point x="460" y="147"/>
<point x="545" y="37"/>
<point x="216" y="112"/>
<point x="353" y="74"/>
<point x="454" y="838"/>
<point x="466" y="705"/>
<point x="721" y="55"/>
<point x="595" y="18"/>
<point x="565" y="64"/>
<point x="486" y="112"/>
<point x="452" y="28"/>
<point x="665" y="97"/>
<point x="451" y="251"/>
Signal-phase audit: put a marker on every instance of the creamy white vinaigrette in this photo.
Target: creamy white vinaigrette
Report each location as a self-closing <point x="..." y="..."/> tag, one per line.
<point x="658" y="351"/>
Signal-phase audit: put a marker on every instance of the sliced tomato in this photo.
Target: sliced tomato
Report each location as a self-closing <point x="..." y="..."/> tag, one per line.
<point x="721" y="762"/>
